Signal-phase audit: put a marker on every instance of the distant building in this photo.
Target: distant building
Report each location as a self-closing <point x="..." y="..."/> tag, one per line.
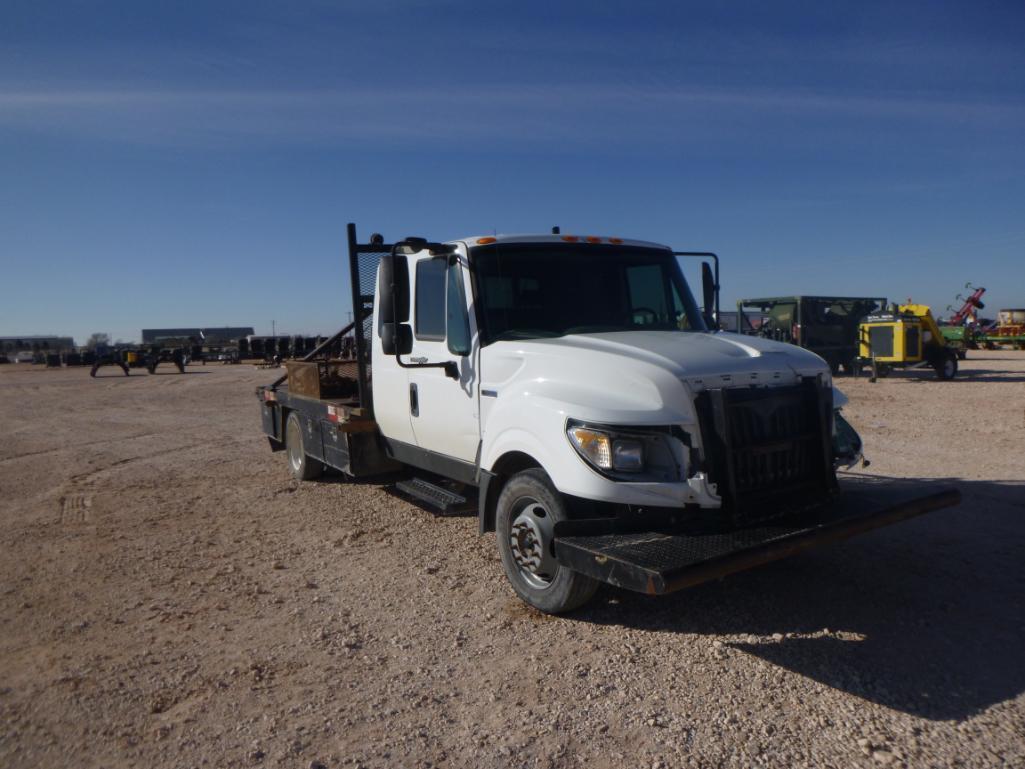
<point x="12" y="345"/>
<point x="208" y="335"/>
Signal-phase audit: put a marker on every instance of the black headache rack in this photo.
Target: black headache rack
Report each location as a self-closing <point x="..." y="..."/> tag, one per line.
<point x="330" y="389"/>
<point x="364" y="259"/>
<point x="665" y="560"/>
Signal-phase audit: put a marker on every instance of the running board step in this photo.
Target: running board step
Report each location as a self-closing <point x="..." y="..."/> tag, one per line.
<point x="446" y="501"/>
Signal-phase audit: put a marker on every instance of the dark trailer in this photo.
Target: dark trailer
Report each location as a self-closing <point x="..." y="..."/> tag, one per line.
<point x="826" y="325"/>
<point x="321" y="414"/>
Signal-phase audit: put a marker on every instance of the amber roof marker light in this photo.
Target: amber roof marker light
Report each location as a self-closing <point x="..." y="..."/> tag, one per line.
<point x="485" y="241"/>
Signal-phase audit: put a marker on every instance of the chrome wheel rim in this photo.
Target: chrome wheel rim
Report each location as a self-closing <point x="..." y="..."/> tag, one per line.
<point x="294" y="442"/>
<point x="530" y="540"/>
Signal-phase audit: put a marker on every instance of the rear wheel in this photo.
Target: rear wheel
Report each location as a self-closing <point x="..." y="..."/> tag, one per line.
<point x="303" y="466"/>
<point x="527" y="511"/>
<point x="946" y="367"/>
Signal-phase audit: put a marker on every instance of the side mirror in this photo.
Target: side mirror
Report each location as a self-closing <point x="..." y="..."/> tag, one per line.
<point x="708" y="294"/>
<point x="393" y="293"/>
<point x="396" y="338"/>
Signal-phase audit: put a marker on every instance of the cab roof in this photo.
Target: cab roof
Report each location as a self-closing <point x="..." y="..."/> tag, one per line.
<point x="561" y="239"/>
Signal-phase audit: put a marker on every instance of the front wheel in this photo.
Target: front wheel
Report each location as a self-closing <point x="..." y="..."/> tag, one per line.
<point x="528" y="509"/>
<point x="303" y="466"/>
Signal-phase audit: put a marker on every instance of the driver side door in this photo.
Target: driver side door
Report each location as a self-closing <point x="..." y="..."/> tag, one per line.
<point x="444" y="412"/>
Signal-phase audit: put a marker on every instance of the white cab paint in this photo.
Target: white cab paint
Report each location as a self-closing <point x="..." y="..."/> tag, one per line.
<point x="516" y="396"/>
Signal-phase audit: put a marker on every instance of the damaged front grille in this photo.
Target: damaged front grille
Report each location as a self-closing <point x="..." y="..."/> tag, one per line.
<point x="768" y="449"/>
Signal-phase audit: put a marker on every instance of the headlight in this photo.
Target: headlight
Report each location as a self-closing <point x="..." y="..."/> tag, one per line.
<point x="606" y="450"/>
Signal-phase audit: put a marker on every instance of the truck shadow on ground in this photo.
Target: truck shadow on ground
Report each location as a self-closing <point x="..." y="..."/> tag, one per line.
<point x="972" y="375"/>
<point x="927" y="617"/>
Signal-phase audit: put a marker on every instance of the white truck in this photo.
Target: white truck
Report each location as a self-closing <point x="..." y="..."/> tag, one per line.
<point x="570" y="391"/>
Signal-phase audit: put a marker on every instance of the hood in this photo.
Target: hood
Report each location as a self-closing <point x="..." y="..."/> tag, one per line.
<point x="633" y="377"/>
<point x="696" y="356"/>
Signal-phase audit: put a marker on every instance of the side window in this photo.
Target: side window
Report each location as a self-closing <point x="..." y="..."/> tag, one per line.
<point x="430" y="299"/>
<point x="458" y="320"/>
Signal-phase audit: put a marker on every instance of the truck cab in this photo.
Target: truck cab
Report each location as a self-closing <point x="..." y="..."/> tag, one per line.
<point x="589" y="362"/>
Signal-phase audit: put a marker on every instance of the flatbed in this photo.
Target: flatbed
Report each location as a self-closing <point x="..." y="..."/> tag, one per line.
<point x="338" y="433"/>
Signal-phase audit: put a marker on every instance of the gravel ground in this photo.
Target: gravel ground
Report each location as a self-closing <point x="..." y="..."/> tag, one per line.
<point x="171" y="598"/>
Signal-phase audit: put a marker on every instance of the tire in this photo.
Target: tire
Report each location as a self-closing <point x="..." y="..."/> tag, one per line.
<point x="527" y="511"/>
<point x="302" y="465"/>
<point x="946" y="367"/>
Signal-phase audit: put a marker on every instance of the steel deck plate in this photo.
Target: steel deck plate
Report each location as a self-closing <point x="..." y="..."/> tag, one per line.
<point x="658" y="562"/>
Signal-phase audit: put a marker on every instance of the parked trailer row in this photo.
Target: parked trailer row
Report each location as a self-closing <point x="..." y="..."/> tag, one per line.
<point x="265" y="347"/>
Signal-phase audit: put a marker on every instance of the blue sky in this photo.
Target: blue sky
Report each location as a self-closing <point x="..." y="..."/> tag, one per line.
<point x="166" y="164"/>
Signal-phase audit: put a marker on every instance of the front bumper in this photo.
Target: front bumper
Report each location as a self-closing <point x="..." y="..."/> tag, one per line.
<point x="665" y="560"/>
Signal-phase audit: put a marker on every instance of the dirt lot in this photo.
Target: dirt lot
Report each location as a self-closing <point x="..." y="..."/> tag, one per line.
<point x="170" y="597"/>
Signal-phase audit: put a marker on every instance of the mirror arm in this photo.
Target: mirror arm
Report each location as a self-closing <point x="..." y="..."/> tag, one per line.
<point x="715" y="283"/>
<point x="451" y="369"/>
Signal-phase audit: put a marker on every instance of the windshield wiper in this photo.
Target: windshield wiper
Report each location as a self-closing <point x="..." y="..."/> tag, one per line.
<point x="523" y="333"/>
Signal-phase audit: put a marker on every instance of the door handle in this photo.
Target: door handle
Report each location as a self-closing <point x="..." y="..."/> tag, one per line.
<point x="414" y="401"/>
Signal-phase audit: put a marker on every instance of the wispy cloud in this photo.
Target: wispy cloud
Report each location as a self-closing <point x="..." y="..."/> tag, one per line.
<point x="520" y="113"/>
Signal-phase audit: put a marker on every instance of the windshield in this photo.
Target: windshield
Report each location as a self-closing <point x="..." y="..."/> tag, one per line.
<point x="546" y="290"/>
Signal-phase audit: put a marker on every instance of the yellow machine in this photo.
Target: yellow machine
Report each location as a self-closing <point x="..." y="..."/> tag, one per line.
<point x="905" y="336"/>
